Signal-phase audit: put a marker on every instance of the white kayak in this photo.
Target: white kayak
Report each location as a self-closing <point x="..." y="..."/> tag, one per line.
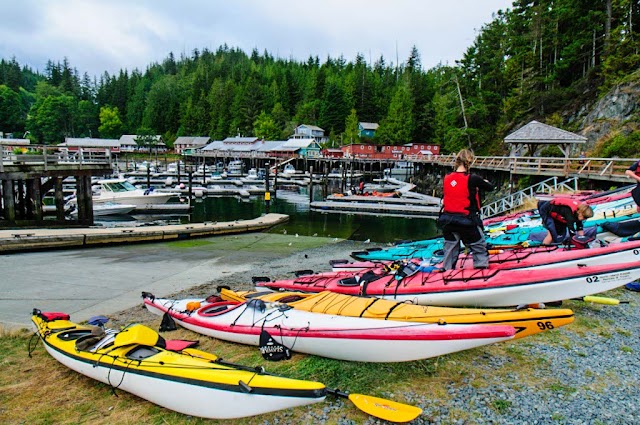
<point x="338" y="337"/>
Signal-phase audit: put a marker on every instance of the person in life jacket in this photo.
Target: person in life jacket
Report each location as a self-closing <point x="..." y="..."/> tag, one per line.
<point x="634" y="173"/>
<point x="561" y="214"/>
<point x="460" y="218"/>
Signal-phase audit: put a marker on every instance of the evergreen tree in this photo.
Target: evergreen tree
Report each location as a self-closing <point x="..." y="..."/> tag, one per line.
<point x="397" y="127"/>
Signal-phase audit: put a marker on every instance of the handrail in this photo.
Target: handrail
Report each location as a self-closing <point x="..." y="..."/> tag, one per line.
<point x="520" y="197"/>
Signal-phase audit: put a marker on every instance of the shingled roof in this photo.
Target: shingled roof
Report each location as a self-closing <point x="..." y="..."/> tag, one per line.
<point x="538" y="133"/>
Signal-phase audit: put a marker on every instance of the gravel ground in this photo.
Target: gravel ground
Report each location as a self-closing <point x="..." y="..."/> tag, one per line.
<point x="587" y="374"/>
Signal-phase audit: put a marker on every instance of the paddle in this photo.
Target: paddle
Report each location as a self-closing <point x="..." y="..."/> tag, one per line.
<point x="388" y="410"/>
<point x="379" y="407"/>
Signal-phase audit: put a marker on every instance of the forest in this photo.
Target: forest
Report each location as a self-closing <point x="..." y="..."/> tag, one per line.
<point x="540" y="60"/>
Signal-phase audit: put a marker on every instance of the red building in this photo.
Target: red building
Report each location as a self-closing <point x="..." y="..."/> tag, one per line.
<point x="332" y="153"/>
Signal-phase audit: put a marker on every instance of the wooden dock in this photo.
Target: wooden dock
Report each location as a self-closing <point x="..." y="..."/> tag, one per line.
<point x="41" y="239"/>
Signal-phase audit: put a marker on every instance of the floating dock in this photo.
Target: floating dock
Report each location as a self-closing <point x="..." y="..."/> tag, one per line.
<point x="15" y="240"/>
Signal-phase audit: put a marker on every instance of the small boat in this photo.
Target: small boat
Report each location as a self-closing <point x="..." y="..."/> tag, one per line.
<point x="288" y="170"/>
<point x="252" y="174"/>
<point x="526" y="321"/>
<point x="327" y="335"/>
<point x="191" y="381"/>
<point x="235" y="168"/>
<point x="401" y="170"/>
<point x="120" y="191"/>
<point x="105" y="209"/>
<point x="492" y="287"/>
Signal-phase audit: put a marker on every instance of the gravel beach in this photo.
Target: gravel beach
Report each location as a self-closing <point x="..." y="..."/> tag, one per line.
<point x="583" y="373"/>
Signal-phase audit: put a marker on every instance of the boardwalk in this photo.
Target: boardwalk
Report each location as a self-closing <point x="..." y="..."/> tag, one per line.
<point x="608" y="169"/>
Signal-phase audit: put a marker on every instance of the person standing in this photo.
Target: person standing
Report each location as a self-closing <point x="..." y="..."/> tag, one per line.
<point x="460" y="217"/>
<point x="561" y="214"/>
<point x="634" y="173"/>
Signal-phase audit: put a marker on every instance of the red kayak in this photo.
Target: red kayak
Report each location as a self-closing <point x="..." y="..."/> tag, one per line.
<point x="491" y="287"/>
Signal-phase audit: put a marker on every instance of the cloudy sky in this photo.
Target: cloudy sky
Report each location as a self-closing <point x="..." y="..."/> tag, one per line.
<point x="109" y="35"/>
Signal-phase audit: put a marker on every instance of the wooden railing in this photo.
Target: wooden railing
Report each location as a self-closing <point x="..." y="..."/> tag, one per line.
<point x="588" y="168"/>
<point x="51" y="155"/>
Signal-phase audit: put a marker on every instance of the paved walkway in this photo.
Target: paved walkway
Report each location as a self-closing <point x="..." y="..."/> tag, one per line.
<point x="89" y="282"/>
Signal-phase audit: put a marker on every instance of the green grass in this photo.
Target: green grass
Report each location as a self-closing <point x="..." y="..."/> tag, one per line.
<point x="501" y="406"/>
<point x="39" y="390"/>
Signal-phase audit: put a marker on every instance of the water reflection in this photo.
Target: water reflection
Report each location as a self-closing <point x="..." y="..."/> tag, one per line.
<point x="294" y="202"/>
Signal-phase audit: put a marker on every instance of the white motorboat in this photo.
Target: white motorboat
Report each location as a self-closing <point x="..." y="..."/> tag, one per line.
<point x="235" y="167"/>
<point x="120" y="191"/>
<point x="252" y="174"/>
<point x="107" y="208"/>
<point x="401" y="170"/>
<point x="288" y="171"/>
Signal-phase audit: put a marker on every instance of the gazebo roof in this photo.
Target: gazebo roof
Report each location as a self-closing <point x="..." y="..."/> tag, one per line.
<point x="538" y="133"/>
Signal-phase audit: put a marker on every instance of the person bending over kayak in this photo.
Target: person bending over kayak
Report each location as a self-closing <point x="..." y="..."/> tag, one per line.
<point x="634" y="173"/>
<point x="460" y="218"/>
<point x="561" y="214"/>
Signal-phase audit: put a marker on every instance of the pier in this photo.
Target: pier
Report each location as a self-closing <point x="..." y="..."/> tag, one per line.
<point x="26" y="178"/>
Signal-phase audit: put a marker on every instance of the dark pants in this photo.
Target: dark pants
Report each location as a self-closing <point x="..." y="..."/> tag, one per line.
<point x="557" y="229"/>
<point x="471" y="235"/>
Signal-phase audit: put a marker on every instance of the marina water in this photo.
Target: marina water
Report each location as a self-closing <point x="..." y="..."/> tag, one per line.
<point x="293" y="201"/>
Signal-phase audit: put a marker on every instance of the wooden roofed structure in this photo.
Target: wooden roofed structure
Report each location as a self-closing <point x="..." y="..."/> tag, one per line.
<point x="536" y="135"/>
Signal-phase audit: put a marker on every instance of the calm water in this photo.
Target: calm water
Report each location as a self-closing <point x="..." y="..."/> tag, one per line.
<point x="295" y="203"/>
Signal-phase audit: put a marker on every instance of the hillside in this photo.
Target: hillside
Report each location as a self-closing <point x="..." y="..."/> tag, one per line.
<point x="569" y="64"/>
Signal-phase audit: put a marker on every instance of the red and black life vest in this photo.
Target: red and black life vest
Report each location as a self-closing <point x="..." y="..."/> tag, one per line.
<point x="566" y="202"/>
<point x="456" y="199"/>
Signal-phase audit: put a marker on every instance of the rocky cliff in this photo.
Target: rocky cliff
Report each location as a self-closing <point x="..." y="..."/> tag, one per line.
<point x="616" y="111"/>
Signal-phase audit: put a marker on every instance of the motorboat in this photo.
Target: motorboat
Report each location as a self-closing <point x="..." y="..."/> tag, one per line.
<point x="401" y="170"/>
<point x="288" y="170"/>
<point x="120" y="191"/>
<point x="252" y="174"/>
<point x="101" y="210"/>
<point x="235" y="167"/>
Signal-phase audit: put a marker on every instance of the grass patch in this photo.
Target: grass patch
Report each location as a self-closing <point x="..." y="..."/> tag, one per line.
<point x="626" y="349"/>
<point x="560" y="388"/>
<point x="501" y="406"/>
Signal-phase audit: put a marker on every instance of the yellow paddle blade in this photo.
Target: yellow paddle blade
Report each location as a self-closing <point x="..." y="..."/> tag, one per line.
<point x="388" y="410"/>
<point x="601" y="300"/>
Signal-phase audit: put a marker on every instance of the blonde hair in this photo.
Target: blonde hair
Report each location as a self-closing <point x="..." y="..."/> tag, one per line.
<point x="465" y="157"/>
<point x="585" y="210"/>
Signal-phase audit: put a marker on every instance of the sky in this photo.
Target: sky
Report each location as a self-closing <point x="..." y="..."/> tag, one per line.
<point x="109" y="35"/>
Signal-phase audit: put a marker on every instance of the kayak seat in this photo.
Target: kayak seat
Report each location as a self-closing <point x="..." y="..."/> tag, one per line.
<point x="86" y="342"/>
<point x="217" y="308"/>
<point x="367" y="277"/>
<point x="142" y="352"/>
<point x="74" y="334"/>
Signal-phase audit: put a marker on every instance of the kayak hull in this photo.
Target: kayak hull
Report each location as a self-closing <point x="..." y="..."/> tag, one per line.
<point x="182" y="383"/>
<point x="326" y="335"/>
<point x="527" y="321"/>
<point x="471" y="287"/>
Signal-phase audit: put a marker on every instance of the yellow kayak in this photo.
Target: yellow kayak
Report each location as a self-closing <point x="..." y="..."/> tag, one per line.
<point x="192" y="382"/>
<point x="528" y="321"/>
